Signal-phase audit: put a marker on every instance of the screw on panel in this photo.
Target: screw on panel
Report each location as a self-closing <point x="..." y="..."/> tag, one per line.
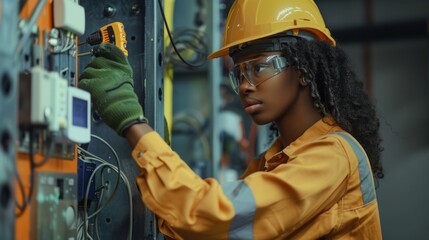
<point x="160" y="93"/>
<point x="136" y="9"/>
<point x="6" y="84"/>
<point x="5" y="195"/>
<point x="6" y="141"/>
<point x="109" y="11"/>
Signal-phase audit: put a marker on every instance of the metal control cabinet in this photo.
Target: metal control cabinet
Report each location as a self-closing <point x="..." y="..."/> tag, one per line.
<point x="144" y="33"/>
<point x="8" y="113"/>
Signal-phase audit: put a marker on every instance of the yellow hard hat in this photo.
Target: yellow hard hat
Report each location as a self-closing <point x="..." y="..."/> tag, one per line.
<point x="250" y="20"/>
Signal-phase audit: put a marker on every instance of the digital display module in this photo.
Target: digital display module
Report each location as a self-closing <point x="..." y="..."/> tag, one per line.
<point x="80" y="111"/>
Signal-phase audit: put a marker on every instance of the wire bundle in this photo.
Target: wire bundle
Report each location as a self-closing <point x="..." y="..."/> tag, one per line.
<point x="189" y="46"/>
<point x="87" y="156"/>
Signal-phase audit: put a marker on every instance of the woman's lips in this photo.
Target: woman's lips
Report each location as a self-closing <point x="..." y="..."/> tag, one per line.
<point x="252" y="108"/>
<point x="251" y="105"/>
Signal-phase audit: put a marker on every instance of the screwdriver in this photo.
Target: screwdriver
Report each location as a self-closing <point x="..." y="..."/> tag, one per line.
<point x="111" y="33"/>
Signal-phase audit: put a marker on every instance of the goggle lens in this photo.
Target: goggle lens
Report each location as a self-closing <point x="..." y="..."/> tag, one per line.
<point x="256" y="71"/>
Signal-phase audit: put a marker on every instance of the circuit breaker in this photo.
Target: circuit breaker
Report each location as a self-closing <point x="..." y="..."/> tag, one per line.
<point x="54" y="207"/>
<point x="72" y="172"/>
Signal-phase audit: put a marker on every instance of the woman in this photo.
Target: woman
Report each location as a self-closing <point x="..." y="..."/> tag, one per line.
<point x="314" y="182"/>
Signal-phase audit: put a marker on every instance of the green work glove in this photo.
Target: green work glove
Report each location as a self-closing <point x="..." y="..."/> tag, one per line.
<point x="109" y="79"/>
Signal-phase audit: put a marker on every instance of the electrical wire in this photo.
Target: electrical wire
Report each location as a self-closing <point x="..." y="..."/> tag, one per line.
<point x="26" y="31"/>
<point x="85" y="217"/>
<point x="172" y="40"/>
<point x="193" y="42"/>
<point x="85" y="220"/>
<point x="97" y="234"/>
<point x="51" y="144"/>
<point x="66" y="40"/>
<point x="22" y="191"/>
<point x="85" y="208"/>
<point x="111" y="196"/>
<point x="121" y="175"/>
<point x="127" y="184"/>
<point x="26" y="199"/>
<point x="102" y="166"/>
<point x="69" y="42"/>
<point x="196" y="125"/>
<point x="118" y="164"/>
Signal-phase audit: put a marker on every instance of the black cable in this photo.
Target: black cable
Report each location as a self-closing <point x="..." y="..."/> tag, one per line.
<point x="114" y="190"/>
<point x="27" y="199"/>
<point x="99" y="203"/>
<point x="111" y="195"/>
<point x="118" y="164"/>
<point x="172" y="41"/>
<point x="50" y="146"/>
<point x="188" y="39"/>
<point x="21" y="189"/>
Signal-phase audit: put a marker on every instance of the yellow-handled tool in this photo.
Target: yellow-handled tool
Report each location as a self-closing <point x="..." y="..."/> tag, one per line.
<point x="111" y="33"/>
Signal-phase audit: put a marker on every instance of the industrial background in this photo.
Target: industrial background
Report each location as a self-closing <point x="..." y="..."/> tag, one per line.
<point x="51" y="188"/>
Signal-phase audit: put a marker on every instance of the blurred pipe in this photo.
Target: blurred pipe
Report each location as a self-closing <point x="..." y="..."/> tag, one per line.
<point x="367" y="49"/>
<point x="26" y="31"/>
<point x="168" y="70"/>
<point x="215" y="79"/>
<point x="400" y="30"/>
<point x="367" y="68"/>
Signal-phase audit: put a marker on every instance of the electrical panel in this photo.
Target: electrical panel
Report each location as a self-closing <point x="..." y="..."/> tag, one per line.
<point x="46" y="161"/>
<point x="63" y="173"/>
<point x="144" y="28"/>
<point x="54" y="208"/>
<point x="8" y="110"/>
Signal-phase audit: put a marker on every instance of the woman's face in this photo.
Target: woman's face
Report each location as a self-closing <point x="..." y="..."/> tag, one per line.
<point x="273" y="89"/>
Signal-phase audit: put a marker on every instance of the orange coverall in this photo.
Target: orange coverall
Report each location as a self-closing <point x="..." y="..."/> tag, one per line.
<point x="321" y="185"/>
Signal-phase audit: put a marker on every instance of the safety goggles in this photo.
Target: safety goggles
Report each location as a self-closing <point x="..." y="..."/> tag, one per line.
<point x="257" y="70"/>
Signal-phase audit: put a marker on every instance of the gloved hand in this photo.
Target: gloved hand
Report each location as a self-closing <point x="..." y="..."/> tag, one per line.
<point x="109" y="79"/>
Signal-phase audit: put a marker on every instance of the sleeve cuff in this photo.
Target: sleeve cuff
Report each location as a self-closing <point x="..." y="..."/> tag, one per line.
<point x="150" y="146"/>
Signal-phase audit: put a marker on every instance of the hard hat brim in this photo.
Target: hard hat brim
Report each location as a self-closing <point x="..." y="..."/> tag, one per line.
<point x="219" y="53"/>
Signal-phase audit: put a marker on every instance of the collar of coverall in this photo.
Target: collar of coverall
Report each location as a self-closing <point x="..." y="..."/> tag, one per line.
<point x="273" y="43"/>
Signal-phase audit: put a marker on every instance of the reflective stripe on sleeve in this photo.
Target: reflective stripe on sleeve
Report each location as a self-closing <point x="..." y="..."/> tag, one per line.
<point x="241" y="196"/>
<point x="366" y="184"/>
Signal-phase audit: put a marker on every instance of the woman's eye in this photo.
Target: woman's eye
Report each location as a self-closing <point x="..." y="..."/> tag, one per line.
<point x="259" y="68"/>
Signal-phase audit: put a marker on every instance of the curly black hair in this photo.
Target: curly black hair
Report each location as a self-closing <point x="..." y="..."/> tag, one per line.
<point x="337" y="92"/>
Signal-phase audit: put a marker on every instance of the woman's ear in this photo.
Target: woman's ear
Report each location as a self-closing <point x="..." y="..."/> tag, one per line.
<point x="303" y="82"/>
<point x="301" y="77"/>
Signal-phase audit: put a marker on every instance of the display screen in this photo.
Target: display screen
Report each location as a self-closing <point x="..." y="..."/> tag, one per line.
<point x="80" y="111"/>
